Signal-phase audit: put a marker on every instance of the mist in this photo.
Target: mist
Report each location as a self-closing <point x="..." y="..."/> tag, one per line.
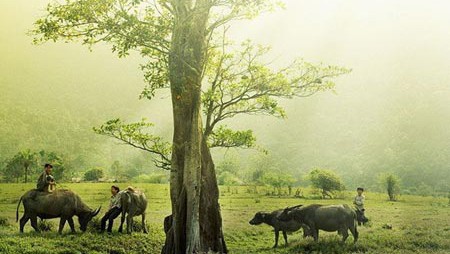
<point x="390" y="114"/>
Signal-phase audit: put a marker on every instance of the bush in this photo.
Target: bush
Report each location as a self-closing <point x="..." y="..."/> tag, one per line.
<point x="151" y="178"/>
<point x="392" y="185"/>
<point x="228" y="178"/>
<point x="93" y="174"/>
<point x="327" y="181"/>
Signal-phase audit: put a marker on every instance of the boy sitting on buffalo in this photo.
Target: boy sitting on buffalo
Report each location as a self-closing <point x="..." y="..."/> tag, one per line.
<point x="359" y="205"/>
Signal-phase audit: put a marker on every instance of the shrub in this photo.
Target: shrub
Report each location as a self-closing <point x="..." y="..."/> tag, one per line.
<point x="151" y="178"/>
<point x="392" y="185"/>
<point x="93" y="174"/>
<point x="327" y="181"/>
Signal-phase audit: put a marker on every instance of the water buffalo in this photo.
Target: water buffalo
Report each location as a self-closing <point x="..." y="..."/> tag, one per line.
<point x="329" y="218"/>
<point x="59" y="203"/>
<point x="279" y="225"/>
<point x="133" y="203"/>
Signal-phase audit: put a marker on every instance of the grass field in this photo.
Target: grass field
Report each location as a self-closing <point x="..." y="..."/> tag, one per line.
<point x="419" y="224"/>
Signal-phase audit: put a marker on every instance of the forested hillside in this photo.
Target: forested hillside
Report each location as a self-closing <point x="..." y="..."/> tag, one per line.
<point x="391" y="114"/>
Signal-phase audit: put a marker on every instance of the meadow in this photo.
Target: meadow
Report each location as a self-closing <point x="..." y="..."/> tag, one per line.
<point x="413" y="224"/>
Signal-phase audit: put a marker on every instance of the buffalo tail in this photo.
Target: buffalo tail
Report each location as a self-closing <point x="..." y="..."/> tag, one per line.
<point x="17" y="210"/>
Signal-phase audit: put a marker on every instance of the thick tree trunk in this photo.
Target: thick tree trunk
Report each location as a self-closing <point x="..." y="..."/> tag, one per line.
<point x="196" y="224"/>
<point x="211" y="219"/>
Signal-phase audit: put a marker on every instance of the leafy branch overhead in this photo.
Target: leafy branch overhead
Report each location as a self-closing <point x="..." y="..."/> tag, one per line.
<point x="143" y="26"/>
<point x="225" y="137"/>
<point x="241" y="83"/>
<point x="236" y="79"/>
<point x="137" y="135"/>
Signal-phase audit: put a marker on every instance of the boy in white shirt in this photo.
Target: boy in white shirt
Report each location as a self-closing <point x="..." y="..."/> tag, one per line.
<point x="359" y="204"/>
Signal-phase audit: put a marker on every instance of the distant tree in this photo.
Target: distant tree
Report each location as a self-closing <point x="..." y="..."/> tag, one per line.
<point x="278" y="180"/>
<point x="132" y="172"/>
<point x="257" y="176"/>
<point x="228" y="171"/>
<point x="12" y="172"/>
<point x="93" y="174"/>
<point x="22" y="164"/>
<point x="392" y="186"/>
<point x="327" y="181"/>
<point x="116" y="170"/>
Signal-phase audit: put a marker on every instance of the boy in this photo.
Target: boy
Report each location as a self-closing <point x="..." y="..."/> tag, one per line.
<point x="359" y="204"/>
<point x="46" y="179"/>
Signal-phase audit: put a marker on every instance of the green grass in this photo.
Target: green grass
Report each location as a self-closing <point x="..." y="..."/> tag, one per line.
<point x="419" y="224"/>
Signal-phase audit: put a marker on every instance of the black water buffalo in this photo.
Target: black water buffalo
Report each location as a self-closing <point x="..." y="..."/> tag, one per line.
<point x="133" y="203"/>
<point x="278" y="225"/>
<point x="329" y="218"/>
<point x="60" y="203"/>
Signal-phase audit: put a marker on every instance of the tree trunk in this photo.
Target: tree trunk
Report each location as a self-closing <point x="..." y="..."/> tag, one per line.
<point x="211" y="220"/>
<point x="26" y="174"/>
<point x="196" y="222"/>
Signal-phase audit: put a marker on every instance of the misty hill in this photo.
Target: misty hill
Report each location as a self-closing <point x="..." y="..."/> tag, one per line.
<point x="391" y="114"/>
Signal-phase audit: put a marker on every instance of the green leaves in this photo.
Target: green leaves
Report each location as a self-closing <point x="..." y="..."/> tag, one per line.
<point x="326" y="180"/>
<point x="236" y="81"/>
<point x="136" y="135"/>
<point x="126" y="25"/>
<point x="225" y="137"/>
<point x="242" y="83"/>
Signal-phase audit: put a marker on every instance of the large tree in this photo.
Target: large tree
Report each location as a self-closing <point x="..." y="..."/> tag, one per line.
<point x="184" y="50"/>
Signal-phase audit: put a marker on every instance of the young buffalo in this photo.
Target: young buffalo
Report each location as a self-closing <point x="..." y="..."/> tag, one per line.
<point x="278" y="225"/>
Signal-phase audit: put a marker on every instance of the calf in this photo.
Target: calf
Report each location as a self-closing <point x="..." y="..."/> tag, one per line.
<point x="278" y="225"/>
<point x="134" y="203"/>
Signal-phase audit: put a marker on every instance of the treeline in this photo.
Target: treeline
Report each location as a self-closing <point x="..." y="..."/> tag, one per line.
<point x="265" y="170"/>
<point x="26" y="165"/>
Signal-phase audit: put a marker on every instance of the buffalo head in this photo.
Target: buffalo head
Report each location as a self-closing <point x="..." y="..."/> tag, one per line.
<point x="257" y="219"/>
<point x="84" y="218"/>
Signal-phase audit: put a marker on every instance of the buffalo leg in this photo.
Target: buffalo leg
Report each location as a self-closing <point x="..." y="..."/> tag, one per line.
<point x="62" y="222"/>
<point x="344" y="233"/>
<point x="276" y="238"/>
<point x="315" y="233"/>
<point x="23" y="221"/>
<point x="143" y="223"/>
<point x="34" y="224"/>
<point x="72" y="226"/>
<point x="354" y="232"/>
<point x="285" y="237"/>
<point x="122" y="219"/>
<point x="129" y="223"/>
